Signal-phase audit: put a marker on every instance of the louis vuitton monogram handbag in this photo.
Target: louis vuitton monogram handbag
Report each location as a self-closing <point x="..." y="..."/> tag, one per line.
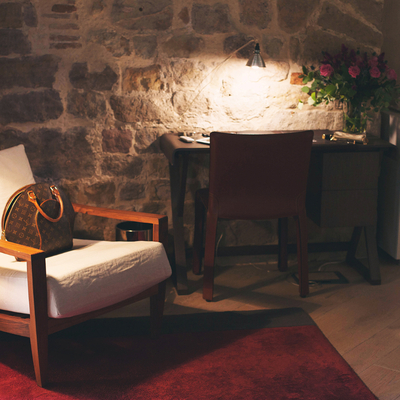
<point x="39" y="216"/>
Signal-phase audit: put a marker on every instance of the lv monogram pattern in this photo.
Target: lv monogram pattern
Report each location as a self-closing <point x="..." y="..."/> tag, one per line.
<point x="26" y="226"/>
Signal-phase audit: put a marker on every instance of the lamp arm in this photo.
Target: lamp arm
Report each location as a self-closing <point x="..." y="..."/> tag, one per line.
<point x="210" y="73"/>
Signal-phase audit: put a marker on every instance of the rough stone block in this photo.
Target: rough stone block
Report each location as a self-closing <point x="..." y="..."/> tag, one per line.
<point x="54" y="154"/>
<point x="116" y="140"/>
<point x="142" y="79"/>
<point x="29" y="72"/>
<point x="147" y="141"/>
<point x="294" y="49"/>
<point x="372" y="10"/>
<point x="128" y="109"/>
<point x="97" y="6"/>
<point x="316" y="41"/>
<point x="159" y="190"/>
<point x="233" y="43"/>
<point x="63" y="8"/>
<point x="142" y="14"/>
<point x="80" y="78"/>
<point x="132" y="9"/>
<point x="30" y="15"/>
<point x="13" y="41"/>
<point x="183" y="46"/>
<point x="126" y="166"/>
<point x="255" y="13"/>
<point x="184" y="15"/>
<point x="332" y="18"/>
<point x="114" y="43"/>
<point x="273" y="47"/>
<point x="155" y="207"/>
<point x="11" y="15"/>
<point x="57" y="16"/>
<point x="107" y="190"/>
<point x="87" y="104"/>
<point x="211" y="19"/>
<point x="63" y="46"/>
<point x="157" y="166"/>
<point x="132" y="191"/>
<point x="63" y="27"/>
<point x="64" y="38"/>
<point x="293" y="14"/>
<point x="145" y="46"/>
<point x="38" y="106"/>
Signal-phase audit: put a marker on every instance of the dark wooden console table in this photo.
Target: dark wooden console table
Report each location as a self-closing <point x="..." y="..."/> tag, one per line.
<point x="342" y="192"/>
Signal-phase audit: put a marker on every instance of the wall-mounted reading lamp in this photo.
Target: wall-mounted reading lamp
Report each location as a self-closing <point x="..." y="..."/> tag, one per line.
<point x="255" y="61"/>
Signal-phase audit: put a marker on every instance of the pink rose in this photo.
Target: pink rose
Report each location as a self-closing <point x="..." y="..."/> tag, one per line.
<point x="373" y="62"/>
<point x="354" y="71"/>
<point x="391" y="74"/>
<point x="374" y="72"/>
<point x="326" y="70"/>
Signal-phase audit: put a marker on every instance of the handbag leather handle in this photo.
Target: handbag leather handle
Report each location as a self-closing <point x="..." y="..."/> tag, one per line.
<point x="56" y="193"/>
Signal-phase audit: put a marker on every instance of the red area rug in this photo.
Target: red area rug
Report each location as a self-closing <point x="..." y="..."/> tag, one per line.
<point x="271" y="354"/>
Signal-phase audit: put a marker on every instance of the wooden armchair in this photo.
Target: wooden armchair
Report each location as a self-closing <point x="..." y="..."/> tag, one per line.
<point x="43" y="295"/>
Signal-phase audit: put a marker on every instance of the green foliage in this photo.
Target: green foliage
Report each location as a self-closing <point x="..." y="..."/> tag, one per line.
<point x="363" y="81"/>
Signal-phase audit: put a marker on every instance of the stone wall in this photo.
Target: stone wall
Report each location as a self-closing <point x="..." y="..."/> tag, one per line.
<point x="90" y="85"/>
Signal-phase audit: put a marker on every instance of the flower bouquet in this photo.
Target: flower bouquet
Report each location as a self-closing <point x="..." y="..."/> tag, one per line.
<point x="364" y="84"/>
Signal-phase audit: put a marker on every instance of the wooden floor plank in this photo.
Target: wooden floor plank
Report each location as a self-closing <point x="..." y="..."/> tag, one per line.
<point x="373" y="350"/>
<point x="384" y="382"/>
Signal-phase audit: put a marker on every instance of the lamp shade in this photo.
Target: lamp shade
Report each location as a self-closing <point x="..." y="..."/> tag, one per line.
<point x="256" y="60"/>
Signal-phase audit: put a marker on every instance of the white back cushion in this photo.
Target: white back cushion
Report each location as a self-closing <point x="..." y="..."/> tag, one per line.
<point x="15" y="172"/>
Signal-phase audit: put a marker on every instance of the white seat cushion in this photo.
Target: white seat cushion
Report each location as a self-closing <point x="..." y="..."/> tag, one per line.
<point x="93" y="275"/>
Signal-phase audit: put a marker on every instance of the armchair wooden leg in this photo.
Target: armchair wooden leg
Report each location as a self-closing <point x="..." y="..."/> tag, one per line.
<point x="38" y="321"/>
<point x="209" y="258"/>
<point x="198" y="235"/>
<point x="302" y="253"/>
<point x="157" y="310"/>
<point x="39" y="348"/>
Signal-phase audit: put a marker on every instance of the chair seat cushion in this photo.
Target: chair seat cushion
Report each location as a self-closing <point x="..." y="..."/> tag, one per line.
<point x="93" y="275"/>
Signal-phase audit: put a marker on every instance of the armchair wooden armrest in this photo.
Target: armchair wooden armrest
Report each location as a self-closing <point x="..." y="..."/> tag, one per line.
<point x="159" y="222"/>
<point x="25" y="253"/>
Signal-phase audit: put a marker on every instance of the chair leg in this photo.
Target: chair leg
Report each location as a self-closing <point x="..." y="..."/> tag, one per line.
<point x="198" y="235"/>
<point x="209" y="257"/>
<point x="38" y="321"/>
<point x="39" y="348"/>
<point x="157" y="310"/>
<point x="302" y="253"/>
<point x="282" y="244"/>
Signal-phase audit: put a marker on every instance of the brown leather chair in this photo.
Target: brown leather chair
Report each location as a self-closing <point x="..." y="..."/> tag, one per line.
<point x="254" y="176"/>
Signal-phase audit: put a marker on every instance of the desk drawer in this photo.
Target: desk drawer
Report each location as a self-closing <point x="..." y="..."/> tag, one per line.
<point x="344" y="171"/>
<point x="350" y="170"/>
<point x="343" y="208"/>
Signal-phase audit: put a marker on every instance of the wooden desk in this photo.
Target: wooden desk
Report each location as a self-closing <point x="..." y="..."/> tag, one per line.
<point x="342" y="192"/>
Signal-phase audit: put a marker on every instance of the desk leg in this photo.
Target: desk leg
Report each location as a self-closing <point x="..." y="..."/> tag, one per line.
<point x="371" y="272"/>
<point x="178" y="175"/>
<point x="282" y="244"/>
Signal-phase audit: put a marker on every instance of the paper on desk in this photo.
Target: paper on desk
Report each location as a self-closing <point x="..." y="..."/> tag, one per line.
<point x="205" y="140"/>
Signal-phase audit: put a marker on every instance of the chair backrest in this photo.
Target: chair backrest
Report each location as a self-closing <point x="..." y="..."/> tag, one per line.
<point x="258" y="175"/>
